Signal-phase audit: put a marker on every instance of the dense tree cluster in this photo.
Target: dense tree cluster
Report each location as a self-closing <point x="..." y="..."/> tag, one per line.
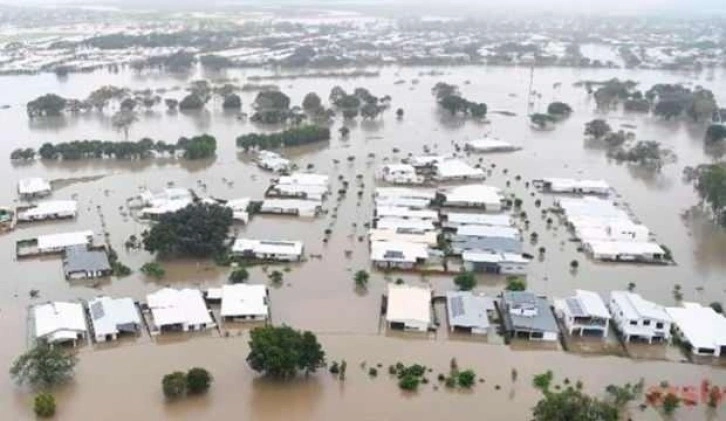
<point x="715" y="133"/>
<point x="272" y="107"/>
<point x="232" y="102"/>
<point x="294" y="136"/>
<point x="197" y="147"/>
<point x="215" y="62"/>
<point x="22" y="154"/>
<point x="180" y="61"/>
<point x="448" y="98"/>
<point x="46" y="105"/>
<point x="559" y="109"/>
<point x="673" y="100"/>
<point x="199" y="230"/>
<point x="196" y="381"/>
<point x="43" y="366"/>
<point x="360" y="102"/>
<point x="648" y="153"/>
<point x="282" y="352"/>
<point x="597" y="128"/>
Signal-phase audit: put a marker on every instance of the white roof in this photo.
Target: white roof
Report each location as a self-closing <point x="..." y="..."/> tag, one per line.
<point x="406" y="213"/>
<point x="309" y="189"/>
<point x="492" y="257"/>
<point x="408" y="303"/>
<point x="467" y="309"/>
<point x="634" y="307"/>
<point x="239" y="204"/>
<point x="33" y="185"/>
<point x="474" y="193"/>
<point x="62" y="240"/>
<point x="617" y="231"/>
<point x="591" y="304"/>
<point x="244" y="300"/>
<point x="304" y="179"/>
<point x="612" y="248"/>
<point x="242" y="245"/>
<point x="402" y="202"/>
<point x="402" y="192"/>
<point x="300" y="205"/>
<point x="423" y="160"/>
<point x="178" y="306"/>
<point x="396" y="223"/>
<point x="489" y="144"/>
<point x="108" y="313"/>
<point x="592" y="207"/>
<point x="456" y="168"/>
<point x="50" y="207"/>
<point x="702" y="326"/>
<point x="402" y="235"/>
<point x="396" y="251"/>
<point x="57" y="321"/>
<point x="487" y="231"/>
<point x="499" y="220"/>
<point x="568" y="184"/>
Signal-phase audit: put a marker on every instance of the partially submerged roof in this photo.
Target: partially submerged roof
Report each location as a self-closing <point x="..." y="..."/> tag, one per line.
<point x="59" y="321"/>
<point x="500" y="220"/>
<point x="308" y="179"/>
<point x="634" y="307"/>
<point x="300" y="205"/>
<point x="586" y="304"/>
<point x="397" y="251"/>
<point x="248" y="245"/>
<point x="466" y="309"/>
<point x="456" y="168"/>
<point x="408" y="303"/>
<point x="524" y="311"/>
<point x="406" y="213"/>
<point x="49" y="207"/>
<point x="490" y="145"/>
<point x="474" y="193"/>
<point x="701" y="326"/>
<point x="392" y="223"/>
<point x="83" y="259"/>
<point x="402" y="192"/>
<point x="178" y="306"/>
<point x="492" y="257"/>
<point x="403" y="235"/>
<point x="613" y="248"/>
<point x="33" y="185"/>
<point x="570" y="184"/>
<point x="63" y="240"/>
<point x="488" y="231"/>
<point x="244" y="300"/>
<point x="108" y="314"/>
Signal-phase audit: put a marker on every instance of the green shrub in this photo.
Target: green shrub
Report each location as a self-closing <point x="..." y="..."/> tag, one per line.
<point x="198" y="380"/>
<point x="44" y="405"/>
<point x="174" y="385"/>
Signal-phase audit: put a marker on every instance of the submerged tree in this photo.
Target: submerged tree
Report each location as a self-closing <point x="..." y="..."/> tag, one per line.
<point x="282" y="352"/>
<point x="123" y="120"/>
<point x="597" y="128"/>
<point x="466" y="281"/>
<point x="43" y="366"/>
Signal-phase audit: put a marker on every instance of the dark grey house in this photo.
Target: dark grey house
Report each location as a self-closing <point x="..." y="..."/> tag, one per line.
<point x="528" y="316"/>
<point x="81" y="262"/>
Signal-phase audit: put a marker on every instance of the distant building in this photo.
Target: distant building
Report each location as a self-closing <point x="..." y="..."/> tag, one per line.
<point x="60" y="322"/>
<point x="82" y="262"/>
<point x="528" y="316"/>
<point x="469" y="312"/>
<point x="700" y="328"/>
<point x="244" y="302"/>
<point x="409" y="308"/>
<point x="33" y="187"/>
<point x="637" y="318"/>
<point x="178" y="310"/>
<point x="111" y="317"/>
<point x="282" y="250"/>
<point x="584" y="312"/>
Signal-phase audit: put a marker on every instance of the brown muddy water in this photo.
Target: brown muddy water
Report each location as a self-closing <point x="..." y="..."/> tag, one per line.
<point x="319" y="294"/>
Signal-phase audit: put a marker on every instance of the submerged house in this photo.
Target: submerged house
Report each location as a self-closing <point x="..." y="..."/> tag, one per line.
<point x="396" y="224"/>
<point x="282" y="250"/>
<point x="409" y="308"/>
<point x="301" y="186"/>
<point x="33" y="187"/>
<point x="272" y="161"/>
<point x="489" y="145"/>
<point x="573" y="186"/>
<point x="60" y="322"/>
<point x="528" y="316"/>
<point x="469" y="312"/>
<point x="82" y="262"/>
<point x="56" y="243"/>
<point x="52" y="209"/>
<point x="453" y="220"/>
<point x="456" y="170"/>
<point x="583" y="313"/>
<point x="480" y="196"/>
<point x="400" y="174"/>
<point x="486" y="238"/>
<point x="637" y="318"/>
<point x="111" y="317"/>
<point x="398" y="255"/>
<point x="626" y="251"/>
<point x="297" y="207"/>
<point x="403" y="235"/>
<point x="178" y="310"/>
<point x="245" y="302"/>
<point x="164" y="202"/>
<point x="239" y="209"/>
<point x="494" y="262"/>
<point x="406" y="213"/>
<point x="701" y="329"/>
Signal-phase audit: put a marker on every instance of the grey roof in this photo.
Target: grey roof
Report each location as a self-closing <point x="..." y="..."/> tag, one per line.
<point x="80" y="258"/>
<point x="497" y="244"/>
<point x="542" y="321"/>
<point x="468" y="310"/>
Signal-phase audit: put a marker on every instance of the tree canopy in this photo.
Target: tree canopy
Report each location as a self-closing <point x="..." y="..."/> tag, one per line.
<point x="198" y="230"/>
<point x="232" y="102"/>
<point x="466" y="281"/>
<point x="711" y="186"/>
<point x="715" y="133"/>
<point x="311" y="102"/>
<point x="43" y="366"/>
<point x="597" y="128"/>
<point x="46" y="105"/>
<point x="294" y="136"/>
<point x="559" y="109"/>
<point x="282" y="352"/>
<point x="191" y="102"/>
<point x="174" y="385"/>
<point x="198" y="381"/>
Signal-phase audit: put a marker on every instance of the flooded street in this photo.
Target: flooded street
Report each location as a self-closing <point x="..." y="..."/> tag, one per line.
<point x="319" y="294"/>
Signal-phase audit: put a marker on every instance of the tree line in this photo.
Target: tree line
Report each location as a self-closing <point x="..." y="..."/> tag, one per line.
<point x="294" y="136"/>
<point x="197" y="147"/>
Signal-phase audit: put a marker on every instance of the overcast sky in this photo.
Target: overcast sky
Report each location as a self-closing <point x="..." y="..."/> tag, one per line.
<point x="568" y="6"/>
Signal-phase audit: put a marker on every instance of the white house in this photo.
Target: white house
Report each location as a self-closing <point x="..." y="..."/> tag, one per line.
<point x="166" y="201"/>
<point x="52" y="209"/>
<point x="456" y="170"/>
<point x="405" y="193"/>
<point x="33" y="187"/>
<point x="485" y="231"/>
<point x="178" y="310"/>
<point x="469" y="312"/>
<point x="422" y="161"/>
<point x="399" y="255"/>
<point x="239" y="209"/>
<point x="304" y="179"/>
<point x="408" y="308"/>
<point x="55" y="243"/>
<point x="400" y="174"/>
<point x="584" y="312"/>
<point x="494" y="262"/>
<point x="113" y="316"/>
<point x="282" y="250"/>
<point x="613" y="231"/>
<point x="574" y="186"/>
<point x="637" y="318"/>
<point x="244" y="302"/>
<point x="479" y="196"/>
<point x="455" y="220"/>
<point x="300" y="191"/>
<point x="700" y="328"/>
<point x="528" y="316"/>
<point x="297" y="207"/>
<point x="272" y="161"/>
<point x="489" y="145"/>
<point x="406" y="213"/>
<point x="395" y="224"/>
<point x="403" y="235"/>
<point x="625" y="251"/>
<point x="59" y="322"/>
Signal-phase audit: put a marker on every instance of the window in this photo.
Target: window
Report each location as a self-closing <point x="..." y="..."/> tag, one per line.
<point x="633" y="323"/>
<point x="659" y="325"/>
<point x="646" y="322"/>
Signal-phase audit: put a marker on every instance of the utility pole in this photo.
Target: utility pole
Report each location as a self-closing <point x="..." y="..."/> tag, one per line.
<point x="530" y="103"/>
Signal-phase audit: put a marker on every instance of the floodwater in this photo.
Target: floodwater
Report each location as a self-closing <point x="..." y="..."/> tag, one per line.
<point x="319" y="294"/>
